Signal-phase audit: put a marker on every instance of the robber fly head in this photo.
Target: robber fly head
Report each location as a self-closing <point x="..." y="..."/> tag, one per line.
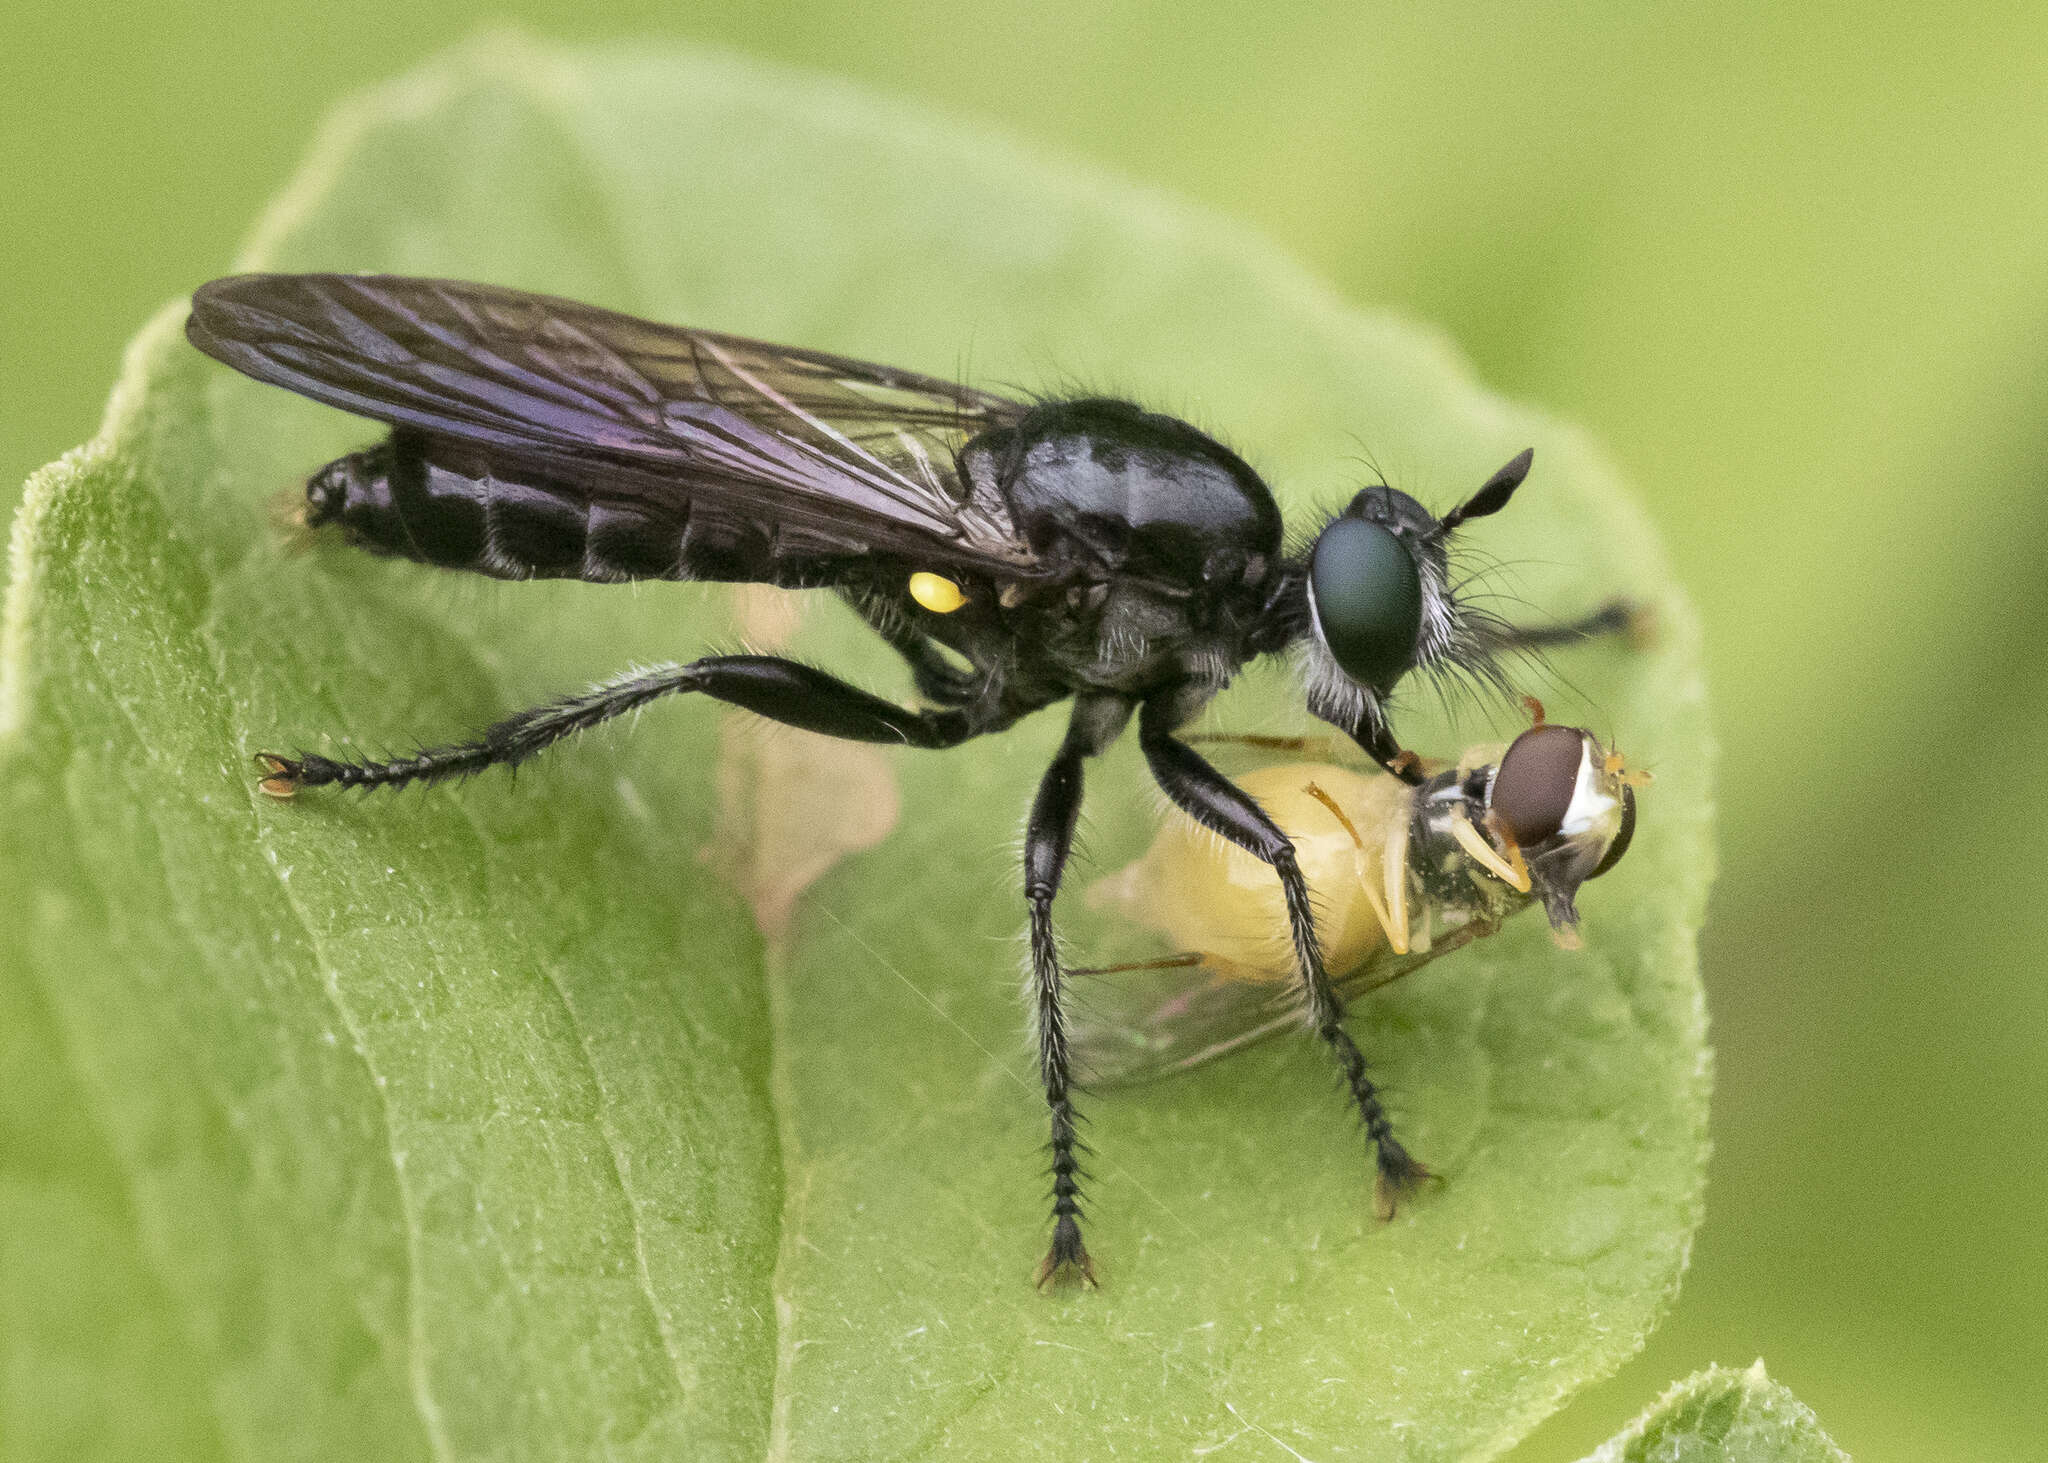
<point x="1380" y="597"/>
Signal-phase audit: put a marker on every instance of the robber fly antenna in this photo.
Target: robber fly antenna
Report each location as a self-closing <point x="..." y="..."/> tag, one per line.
<point x="1494" y="496"/>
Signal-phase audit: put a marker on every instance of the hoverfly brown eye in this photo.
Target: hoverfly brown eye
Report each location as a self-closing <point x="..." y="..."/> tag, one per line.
<point x="1628" y="830"/>
<point x="1367" y="594"/>
<point x="1533" y="790"/>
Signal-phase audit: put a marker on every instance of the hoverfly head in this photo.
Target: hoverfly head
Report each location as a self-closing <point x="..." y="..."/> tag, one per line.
<point x="1569" y="805"/>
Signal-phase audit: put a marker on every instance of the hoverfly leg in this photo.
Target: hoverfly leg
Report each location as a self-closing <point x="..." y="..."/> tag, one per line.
<point x="1186" y="960"/>
<point x="1048" y="839"/>
<point x="1322" y="749"/>
<point x="1219" y="805"/>
<point x="1220" y="969"/>
<point x="1390" y="903"/>
<point x="781" y="690"/>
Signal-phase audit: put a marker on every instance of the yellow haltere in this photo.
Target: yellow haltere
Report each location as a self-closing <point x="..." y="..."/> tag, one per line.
<point x="936" y="592"/>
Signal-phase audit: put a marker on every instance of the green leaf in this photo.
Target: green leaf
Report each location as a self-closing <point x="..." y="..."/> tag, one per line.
<point x="1723" y="1416"/>
<point x="488" y="1122"/>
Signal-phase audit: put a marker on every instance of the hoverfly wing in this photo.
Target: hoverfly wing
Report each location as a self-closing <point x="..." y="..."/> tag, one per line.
<point x="651" y="414"/>
<point x="1142" y="1022"/>
<point x="1137" y="1025"/>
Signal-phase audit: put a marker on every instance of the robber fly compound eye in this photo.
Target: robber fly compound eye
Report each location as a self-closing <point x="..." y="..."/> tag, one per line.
<point x="1367" y="597"/>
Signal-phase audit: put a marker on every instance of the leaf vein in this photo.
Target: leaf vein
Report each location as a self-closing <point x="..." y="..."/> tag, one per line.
<point x="330" y="984"/>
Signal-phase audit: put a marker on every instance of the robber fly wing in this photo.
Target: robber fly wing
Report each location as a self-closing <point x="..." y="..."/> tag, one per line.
<point x="642" y="412"/>
<point x="1139" y="1023"/>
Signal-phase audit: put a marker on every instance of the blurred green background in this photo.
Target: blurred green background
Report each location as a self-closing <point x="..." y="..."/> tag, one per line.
<point x="1791" y="264"/>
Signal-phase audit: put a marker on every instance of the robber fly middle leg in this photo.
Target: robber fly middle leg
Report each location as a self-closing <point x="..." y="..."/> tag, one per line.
<point x="1048" y="838"/>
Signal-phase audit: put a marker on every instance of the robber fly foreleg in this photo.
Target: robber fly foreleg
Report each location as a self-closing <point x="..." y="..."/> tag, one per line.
<point x="1219" y="805"/>
<point x="1617" y="617"/>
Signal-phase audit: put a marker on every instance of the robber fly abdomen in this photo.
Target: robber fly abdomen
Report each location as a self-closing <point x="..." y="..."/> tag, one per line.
<point x="1083" y="550"/>
<point x="437" y="504"/>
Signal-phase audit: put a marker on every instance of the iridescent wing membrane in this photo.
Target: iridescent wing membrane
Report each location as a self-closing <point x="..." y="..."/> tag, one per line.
<point x="655" y="417"/>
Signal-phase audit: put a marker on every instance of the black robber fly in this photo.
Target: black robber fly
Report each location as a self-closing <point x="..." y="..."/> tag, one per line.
<point x="1015" y="553"/>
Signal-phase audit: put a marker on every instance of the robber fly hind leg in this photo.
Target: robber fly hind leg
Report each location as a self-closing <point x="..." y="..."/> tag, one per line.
<point x="1219" y="805"/>
<point x="1049" y="836"/>
<point x="781" y="690"/>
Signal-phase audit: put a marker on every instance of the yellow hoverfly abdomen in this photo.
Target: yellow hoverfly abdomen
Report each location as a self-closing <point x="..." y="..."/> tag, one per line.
<point x="1209" y="896"/>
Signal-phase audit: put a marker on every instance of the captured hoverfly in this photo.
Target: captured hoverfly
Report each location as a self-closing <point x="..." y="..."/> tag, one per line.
<point x="1015" y="553"/>
<point x="1403" y="873"/>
